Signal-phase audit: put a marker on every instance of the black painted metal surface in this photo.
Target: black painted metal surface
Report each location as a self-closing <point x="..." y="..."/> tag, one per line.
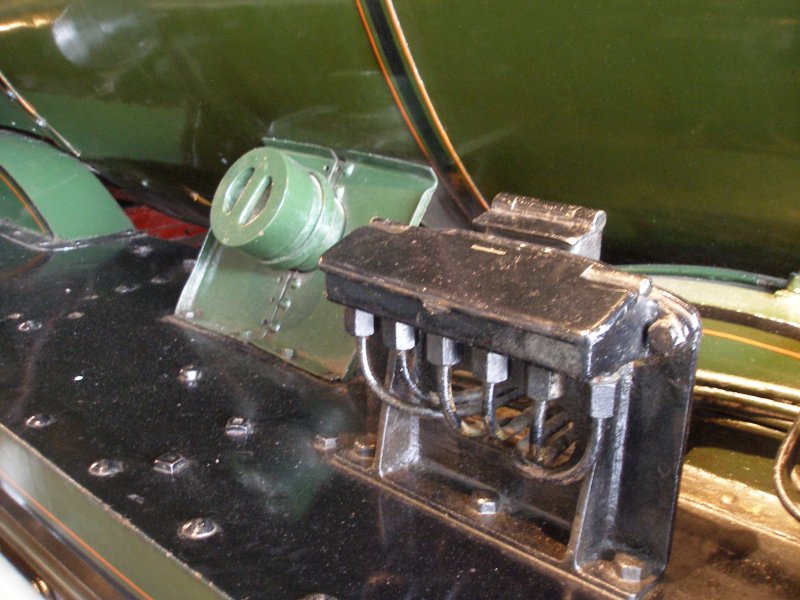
<point x="93" y="347"/>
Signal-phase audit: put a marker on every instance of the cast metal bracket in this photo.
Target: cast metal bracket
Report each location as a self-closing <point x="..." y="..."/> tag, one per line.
<point x="565" y="441"/>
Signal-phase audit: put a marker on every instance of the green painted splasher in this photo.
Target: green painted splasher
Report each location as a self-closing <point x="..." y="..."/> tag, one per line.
<point x="51" y="193"/>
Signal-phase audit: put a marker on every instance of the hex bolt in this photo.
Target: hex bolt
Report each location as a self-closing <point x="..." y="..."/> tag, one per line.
<point x="364" y="446"/>
<point x="39" y="421"/>
<point x="190" y="376"/>
<point x="198" y="529"/>
<point x="485" y="502"/>
<point x="664" y="334"/>
<point x="170" y="463"/>
<point x="397" y="336"/>
<point x="629" y="568"/>
<point x="106" y="467"/>
<point x="442" y="351"/>
<point x="238" y="428"/>
<point x="326" y="443"/>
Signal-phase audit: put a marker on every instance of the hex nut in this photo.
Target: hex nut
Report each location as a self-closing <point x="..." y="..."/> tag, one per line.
<point x="359" y="323"/>
<point x="442" y="351"/>
<point x="485" y="502"/>
<point x="326" y="443"/>
<point x="489" y="366"/>
<point x="397" y="336"/>
<point x="629" y="568"/>
<point x="238" y="428"/>
<point x="170" y="463"/>
<point x="544" y="384"/>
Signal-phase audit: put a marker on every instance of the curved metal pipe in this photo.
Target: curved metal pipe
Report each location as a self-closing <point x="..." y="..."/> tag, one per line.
<point x="785" y="461"/>
<point x="383" y="394"/>
<point x="577" y="471"/>
<point x="431" y="397"/>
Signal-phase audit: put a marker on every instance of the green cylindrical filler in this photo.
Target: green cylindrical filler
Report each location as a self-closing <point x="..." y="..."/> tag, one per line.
<point x="277" y="210"/>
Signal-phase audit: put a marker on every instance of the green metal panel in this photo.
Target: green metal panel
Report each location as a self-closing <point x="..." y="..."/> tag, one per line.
<point x="54" y="194"/>
<point x="679" y="118"/>
<point x="233" y="290"/>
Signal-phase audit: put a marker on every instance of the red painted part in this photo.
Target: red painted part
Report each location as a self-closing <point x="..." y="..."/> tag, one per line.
<point x="159" y="225"/>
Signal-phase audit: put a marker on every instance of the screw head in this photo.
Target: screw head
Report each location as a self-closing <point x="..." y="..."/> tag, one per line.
<point x="238" y="428"/>
<point x="39" y="421"/>
<point x="629" y="568"/>
<point x="190" y="376"/>
<point x="326" y="443"/>
<point x="200" y="528"/>
<point x="126" y="288"/>
<point x="485" y="502"/>
<point x="364" y="446"/>
<point x="30" y="325"/>
<point x="106" y="467"/>
<point x="170" y="463"/>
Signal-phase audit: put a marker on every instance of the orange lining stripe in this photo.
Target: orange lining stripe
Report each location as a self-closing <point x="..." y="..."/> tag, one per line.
<point x="388" y="79"/>
<point x="749" y="342"/>
<point x="427" y="101"/>
<point x="399" y="103"/>
<point x="75" y="537"/>
<point x="24" y="203"/>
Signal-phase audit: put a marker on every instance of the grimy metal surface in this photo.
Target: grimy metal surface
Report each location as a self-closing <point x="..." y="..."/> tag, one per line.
<point x="85" y="338"/>
<point x="668" y="115"/>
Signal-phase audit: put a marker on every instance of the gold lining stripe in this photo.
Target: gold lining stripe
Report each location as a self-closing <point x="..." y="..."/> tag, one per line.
<point x="429" y="105"/>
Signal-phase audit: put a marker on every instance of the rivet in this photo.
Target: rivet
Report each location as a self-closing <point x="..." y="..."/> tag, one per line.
<point x="199" y="529"/>
<point x="75" y="315"/>
<point x="728" y="499"/>
<point x="288" y="353"/>
<point x="106" y="467"/>
<point x="40" y="421"/>
<point x="13" y="316"/>
<point x="170" y="463"/>
<point x="159" y="279"/>
<point x="275" y="327"/>
<point x="286" y="303"/>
